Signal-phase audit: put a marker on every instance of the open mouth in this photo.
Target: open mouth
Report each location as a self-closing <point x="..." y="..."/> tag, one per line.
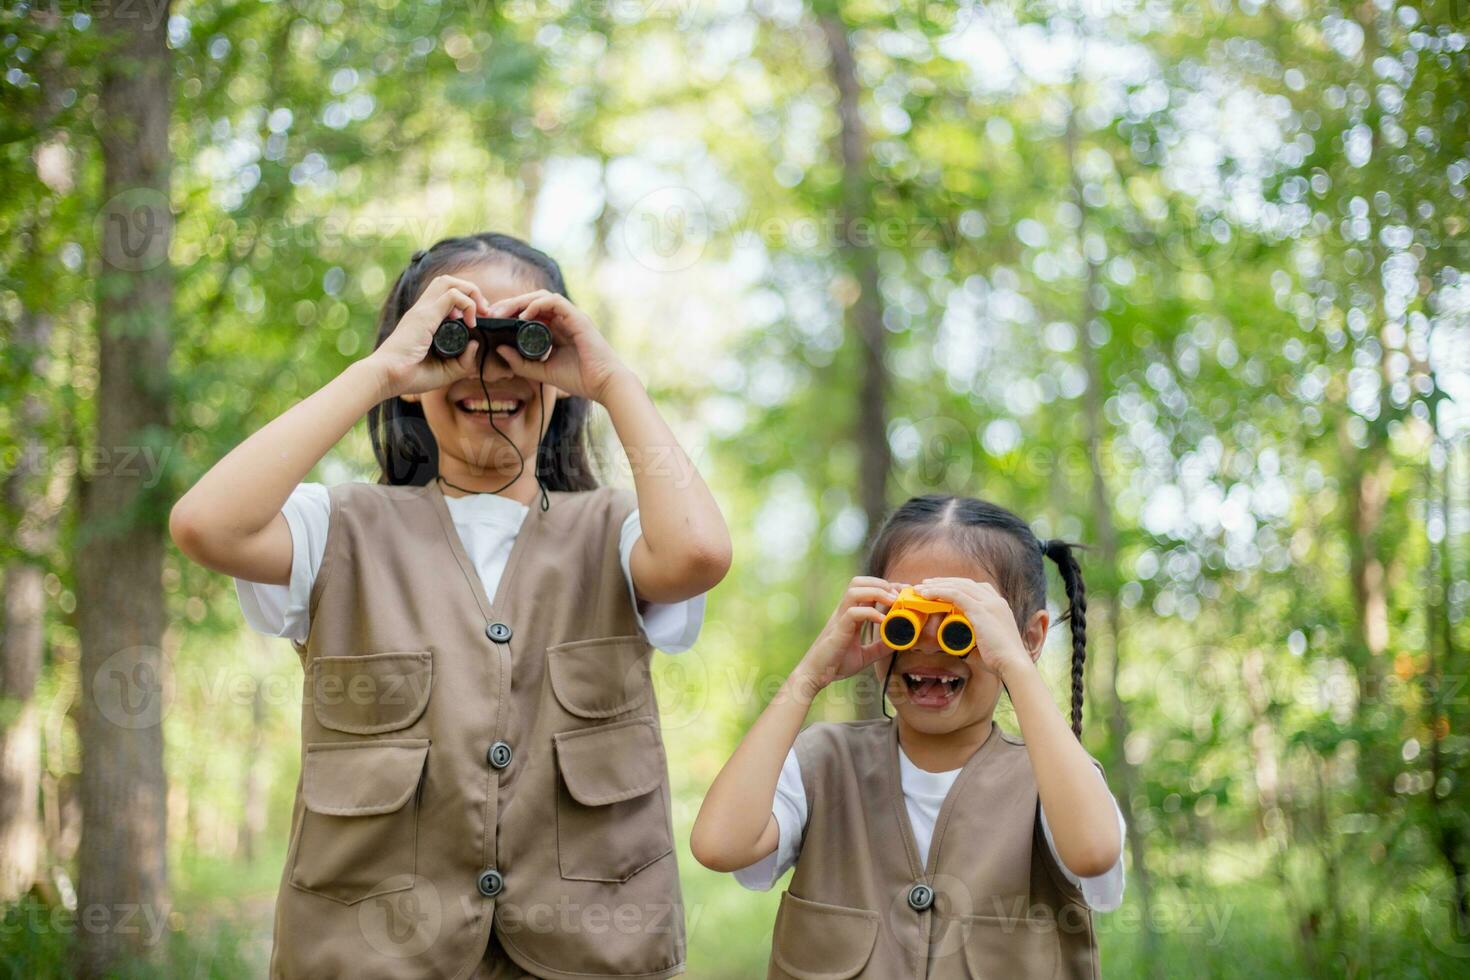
<point x="932" y="688"/>
<point x="494" y="408"/>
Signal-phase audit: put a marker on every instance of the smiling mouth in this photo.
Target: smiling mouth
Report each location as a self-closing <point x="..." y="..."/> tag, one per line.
<point x="932" y="690"/>
<point x="496" y="408"/>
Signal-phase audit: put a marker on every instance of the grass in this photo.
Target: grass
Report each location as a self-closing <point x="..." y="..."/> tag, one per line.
<point x="220" y="928"/>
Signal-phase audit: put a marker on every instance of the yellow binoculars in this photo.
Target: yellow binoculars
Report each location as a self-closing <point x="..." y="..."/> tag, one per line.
<point x="903" y="623"/>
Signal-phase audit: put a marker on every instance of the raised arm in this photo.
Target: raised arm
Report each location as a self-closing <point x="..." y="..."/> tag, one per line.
<point x="1079" y="807"/>
<point x="730" y="832"/>
<point x="685" y="547"/>
<point x="231" y="520"/>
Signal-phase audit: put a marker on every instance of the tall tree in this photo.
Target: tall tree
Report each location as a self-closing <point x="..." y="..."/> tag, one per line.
<point x="122" y="866"/>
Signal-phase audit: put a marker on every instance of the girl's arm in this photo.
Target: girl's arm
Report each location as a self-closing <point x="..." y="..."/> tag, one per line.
<point x="685" y="547"/>
<point x="231" y="520"/>
<point x="1079" y="807"/>
<point x="730" y="833"/>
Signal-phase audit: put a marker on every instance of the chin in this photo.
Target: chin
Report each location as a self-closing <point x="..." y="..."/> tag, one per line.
<point x="932" y="722"/>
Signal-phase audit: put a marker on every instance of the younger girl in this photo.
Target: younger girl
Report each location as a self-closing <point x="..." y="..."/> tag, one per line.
<point x="932" y="845"/>
<point x="483" y="787"/>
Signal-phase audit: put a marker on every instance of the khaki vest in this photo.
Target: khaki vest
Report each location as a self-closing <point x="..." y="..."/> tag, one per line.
<point x="471" y="763"/>
<point x="991" y="902"/>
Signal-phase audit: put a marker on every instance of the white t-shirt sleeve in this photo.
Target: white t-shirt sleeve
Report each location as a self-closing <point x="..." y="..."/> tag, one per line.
<point x="789" y="809"/>
<point x="670" y="626"/>
<point x="1104" y="892"/>
<point x="281" y="610"/>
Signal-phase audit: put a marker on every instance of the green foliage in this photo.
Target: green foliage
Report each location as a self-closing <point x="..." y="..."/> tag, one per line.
<point x="1204" y="263"/>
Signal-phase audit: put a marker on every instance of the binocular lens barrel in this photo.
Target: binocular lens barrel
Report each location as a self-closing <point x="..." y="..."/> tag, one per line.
<point x="899" y="632"/>
<point x="451" y="338"/>
<point x="532" y="338"/>
<point x="956" y="635"/>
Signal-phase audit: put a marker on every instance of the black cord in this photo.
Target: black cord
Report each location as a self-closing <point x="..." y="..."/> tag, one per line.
<point x="520" y="456"/>
<point x="883" y="694"/>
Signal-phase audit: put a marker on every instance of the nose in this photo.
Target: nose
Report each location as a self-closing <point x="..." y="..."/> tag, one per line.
<point x="495" y="367"/>
<point x="929" y="635"/>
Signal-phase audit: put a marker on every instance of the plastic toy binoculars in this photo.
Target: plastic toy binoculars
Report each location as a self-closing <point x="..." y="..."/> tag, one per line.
<point x="903" y="623"/>
<point x="532" y="339"/>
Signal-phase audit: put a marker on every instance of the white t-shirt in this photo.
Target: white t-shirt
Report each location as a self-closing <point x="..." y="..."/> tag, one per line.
<point x="487" y="526"/>
<point x="923" y="795"/>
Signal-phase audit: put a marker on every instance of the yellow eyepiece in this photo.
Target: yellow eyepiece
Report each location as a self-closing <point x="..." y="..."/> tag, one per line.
<point x="901" y="628"/>
<point x="956" y="637"/>
<point x="904" y="622"/>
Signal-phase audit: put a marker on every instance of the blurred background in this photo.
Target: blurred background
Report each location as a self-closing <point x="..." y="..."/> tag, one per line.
<point x="1186" y="280"/>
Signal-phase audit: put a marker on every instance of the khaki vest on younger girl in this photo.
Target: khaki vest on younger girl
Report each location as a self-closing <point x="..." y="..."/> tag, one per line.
<point x="469" y="761"/>
<point x="991" y="901"/>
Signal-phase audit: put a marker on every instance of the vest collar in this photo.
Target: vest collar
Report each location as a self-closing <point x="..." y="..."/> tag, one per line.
<point x="533" y="523"/>
<point x="894" y="790"/>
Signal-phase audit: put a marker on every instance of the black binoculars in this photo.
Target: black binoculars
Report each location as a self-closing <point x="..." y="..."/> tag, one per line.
<point x="532" y="338"/>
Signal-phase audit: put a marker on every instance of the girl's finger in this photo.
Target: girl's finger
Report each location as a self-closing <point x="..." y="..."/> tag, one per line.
<point x="468" y="361"/>
<point x="455" y="300"/>
<point x="552" y="310"/>
<point x="515" y="305"/>
<point x="868" y="594"/>
<point x="482" y="305"/>
<point x="530" y="370"/>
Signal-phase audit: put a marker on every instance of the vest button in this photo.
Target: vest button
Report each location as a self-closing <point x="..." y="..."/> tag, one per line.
<point x="921" y="897"/>
<point x="490" y="883"/>
<point x="499" y="632"/>
<point x="499" y="755"/>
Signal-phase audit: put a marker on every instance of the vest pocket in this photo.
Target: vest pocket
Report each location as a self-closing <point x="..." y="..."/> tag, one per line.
<point x="600" y="678"/>
<point x="369" y="695"/>
<point x="358" y="832"/>
<point x="1005" y="947"/>
<point x="611" y="817"/>
<point x="813" y="941"/>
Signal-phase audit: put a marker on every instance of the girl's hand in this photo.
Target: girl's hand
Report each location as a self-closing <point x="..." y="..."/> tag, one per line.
<point x="838" y="650"/>
<point x="403" y="359"/>
<point x="582" y="362"/>
<point x="997" y="640"/>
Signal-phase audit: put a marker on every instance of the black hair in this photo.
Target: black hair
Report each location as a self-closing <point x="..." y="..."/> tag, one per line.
<point x="406" y="451"/>
<point x="1006" y="548"/>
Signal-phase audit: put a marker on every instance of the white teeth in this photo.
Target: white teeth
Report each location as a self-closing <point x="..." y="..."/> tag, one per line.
<point x="506" y="406"/>
<point x="946" y="681"/>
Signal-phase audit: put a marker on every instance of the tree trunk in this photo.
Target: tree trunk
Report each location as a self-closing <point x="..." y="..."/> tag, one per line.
<point x="122" y="887"/>
<point x="865" y="313"/>
<point x="23" y="641"/>
<point x="1448" y="836"/>
<point x="1104" y="599"/>
<point x="253" y="811"/>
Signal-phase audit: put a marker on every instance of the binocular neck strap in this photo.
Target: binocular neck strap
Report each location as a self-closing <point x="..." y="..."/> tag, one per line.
<point x="521" y="458"/>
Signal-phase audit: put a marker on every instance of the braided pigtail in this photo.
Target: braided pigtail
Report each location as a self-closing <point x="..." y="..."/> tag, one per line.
<point x="1061" y="552"/>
